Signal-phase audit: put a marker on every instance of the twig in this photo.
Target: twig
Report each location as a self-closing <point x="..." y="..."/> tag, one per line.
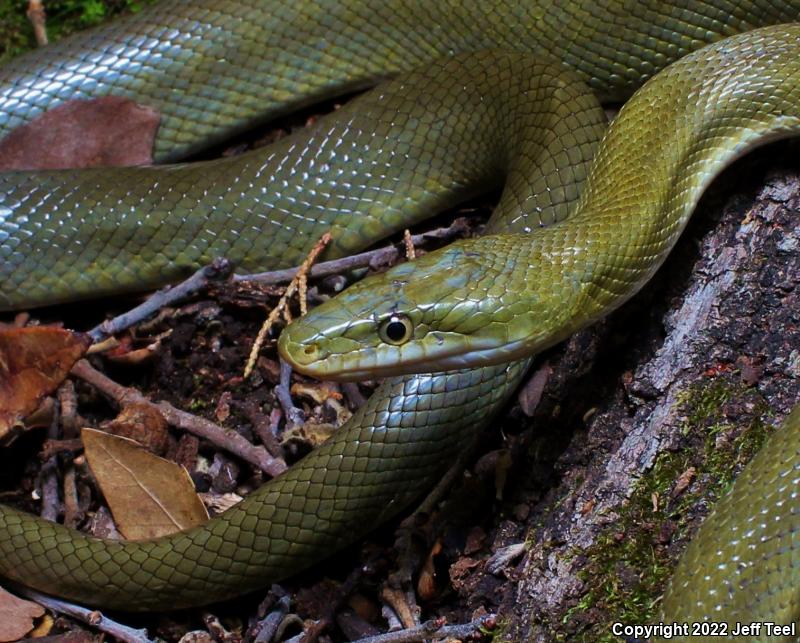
<point x="262" y="425"/>
<point x="72" y="510"/>
<point x="361" y="260"/>
<point x="216" y="271"/>
<point x="37" y="16"/>
<point x="398" y="601"/>
<point x="294" y="416"/>
<point x="71" y="448"/>
<point x="289" y="620"/>
<point x="298" y="283"/>
<point x="90" y="617"/>
<point x="51" y="506"/>
<point x="391" y="618"/>
<point x="436" y="630"/>
<point x="268" y="626"/>
<point x="228" y="440"/>
<point x="408" y="242"/>
<point x="68" y="401"/>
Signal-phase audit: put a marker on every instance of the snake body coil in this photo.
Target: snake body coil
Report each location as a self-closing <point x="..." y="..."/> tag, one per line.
<point x="406" y="149"/>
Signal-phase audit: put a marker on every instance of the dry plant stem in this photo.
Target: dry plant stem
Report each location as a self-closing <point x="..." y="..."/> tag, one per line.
<point x="51" y="506"/>
<point x="398" y="601"/>
<point x="68" y="401"/>
<point x="71" y="447"/>
<point x="270" y="623"/>
<point x="217" y="270"/>
<point x="411" y="253"/>
<point x="294" y="416"/>
<point x="72" y="511"/>
<point x="288" y="621"/>
<point x="434" y="630"/>
<point x="367" y="259"/>
<point x="91" y="617"/>
<point x="217" y="629"/>
<point x="297" y="283"/>
<point x="202" y="428"/>
<point x="36" y="15"/>
<point x="391" y="618"/>
<point x="262" y="426"/>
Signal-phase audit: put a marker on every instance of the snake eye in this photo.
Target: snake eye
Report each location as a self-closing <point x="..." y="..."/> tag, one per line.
<point x="395" y="330"/>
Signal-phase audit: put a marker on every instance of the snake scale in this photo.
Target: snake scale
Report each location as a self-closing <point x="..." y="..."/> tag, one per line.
<point x="479" y="100"/>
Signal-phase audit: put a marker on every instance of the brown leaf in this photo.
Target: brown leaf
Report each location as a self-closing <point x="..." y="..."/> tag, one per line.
<point x="317" y="391"/>
<point x="223" y="410"/>
<point x="33" y="362"/>
<point x="683" y="481"/>
<point x="426" y="583"/>
<point x="83" y="133"/>
<point x="313" y="433"/>
<point x="16" y="616"/>
<point x="530" y="394"/>
<point x="147" y="495"/>
<point x="142" y="423"/>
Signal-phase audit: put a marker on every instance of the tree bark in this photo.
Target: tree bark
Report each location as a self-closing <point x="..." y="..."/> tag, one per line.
<point x="661" y="404"/>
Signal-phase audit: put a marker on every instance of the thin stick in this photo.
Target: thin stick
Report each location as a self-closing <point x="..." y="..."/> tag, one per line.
<point x="37" y="15"/>
<point x="228" y="440"/>
<point x="91" y="617"/>
<point x="298" y="282"/>
<point x="361" y="260"/>
<point x="408" y="242"/>
<point x="435" y="630"/>
<point x="217" y="270"/>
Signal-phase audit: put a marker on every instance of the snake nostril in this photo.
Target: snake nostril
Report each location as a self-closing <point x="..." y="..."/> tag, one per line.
<point x="310" y="350"/>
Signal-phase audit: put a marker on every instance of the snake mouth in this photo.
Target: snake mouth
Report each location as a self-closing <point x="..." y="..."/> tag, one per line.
<point x="301" y="355"/>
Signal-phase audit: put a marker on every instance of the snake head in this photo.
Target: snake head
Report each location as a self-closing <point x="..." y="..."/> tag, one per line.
<point x="449" y="309"/>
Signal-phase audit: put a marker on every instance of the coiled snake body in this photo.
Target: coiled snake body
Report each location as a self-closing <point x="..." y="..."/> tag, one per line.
<point x="457" y="124"/>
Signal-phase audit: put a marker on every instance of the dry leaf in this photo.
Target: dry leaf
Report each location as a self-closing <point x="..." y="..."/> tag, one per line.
<point x="83" y="133"/>
<point x="530" y="394"/>
<point x="33" y="362"/>
<point x="317" y="392"/>
<point x="142" y="423"/>
<point x="313" y="433"/>
<point x="148" y="496"/>
<point x="426" y="583"/>
<point x="16" y="616"/>
<point x="219" y="502"/>
<point x="45" y="626"/>
<point x="683" y="482"/>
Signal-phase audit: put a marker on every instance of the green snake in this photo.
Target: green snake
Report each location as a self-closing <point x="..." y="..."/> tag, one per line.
<point x="486" y="102"/>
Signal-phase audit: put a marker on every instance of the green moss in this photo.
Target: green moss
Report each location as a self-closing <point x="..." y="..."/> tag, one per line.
<point x="629" y="565"/>
<point x="63" y="17"/>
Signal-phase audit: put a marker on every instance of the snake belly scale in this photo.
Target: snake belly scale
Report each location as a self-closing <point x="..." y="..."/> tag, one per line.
<point x="254" y="61"/>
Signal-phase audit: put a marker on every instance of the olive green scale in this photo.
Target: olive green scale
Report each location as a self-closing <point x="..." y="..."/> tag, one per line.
<point x="426" y="140"/>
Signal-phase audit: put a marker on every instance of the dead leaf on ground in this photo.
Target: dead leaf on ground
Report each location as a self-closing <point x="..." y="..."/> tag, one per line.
<point x="33" y="362"/>
<point x="148" y="496"/>
<point x="17" y="616"/>
<point x="317" y="392"/>
<point x="83" y="133"/>
<point x="142" y="423"/>
<point x="312" y="433"/>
